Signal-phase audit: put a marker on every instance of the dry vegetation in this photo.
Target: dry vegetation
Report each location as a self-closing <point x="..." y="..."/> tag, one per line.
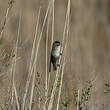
<point x="27" y="31"/>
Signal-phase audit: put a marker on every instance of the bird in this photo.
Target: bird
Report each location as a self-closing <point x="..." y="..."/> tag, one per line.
<point x="55" y="55"/>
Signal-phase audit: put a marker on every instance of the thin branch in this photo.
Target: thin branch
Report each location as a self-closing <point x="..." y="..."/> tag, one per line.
<point x="53" y="22"/>
<point x="46" y="71"/>
<point x="78" y="100"/>
<point x="14" y="71"/>
<point x="10" y="4"/>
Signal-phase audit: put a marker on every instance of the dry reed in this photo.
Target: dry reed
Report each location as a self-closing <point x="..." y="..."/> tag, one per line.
<point x="64" y="55"/>
<point x="33" y="79"/>
<point x="46" y="71"/>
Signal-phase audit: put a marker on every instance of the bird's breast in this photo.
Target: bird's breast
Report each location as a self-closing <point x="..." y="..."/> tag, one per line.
<point x="56" y="51"/>
<point x="55" y="54"/>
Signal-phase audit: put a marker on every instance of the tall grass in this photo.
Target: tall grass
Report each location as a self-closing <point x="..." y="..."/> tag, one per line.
<point x="14" y="91"/>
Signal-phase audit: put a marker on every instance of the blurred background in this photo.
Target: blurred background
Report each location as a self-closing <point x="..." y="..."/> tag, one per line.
<point x="88" y="55"/>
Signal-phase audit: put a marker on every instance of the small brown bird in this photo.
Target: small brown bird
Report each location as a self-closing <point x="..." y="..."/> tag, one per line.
<point x="55" y="55"/>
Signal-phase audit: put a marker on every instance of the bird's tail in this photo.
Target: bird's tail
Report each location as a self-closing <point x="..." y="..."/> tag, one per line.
<point x="54" y="67"/>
